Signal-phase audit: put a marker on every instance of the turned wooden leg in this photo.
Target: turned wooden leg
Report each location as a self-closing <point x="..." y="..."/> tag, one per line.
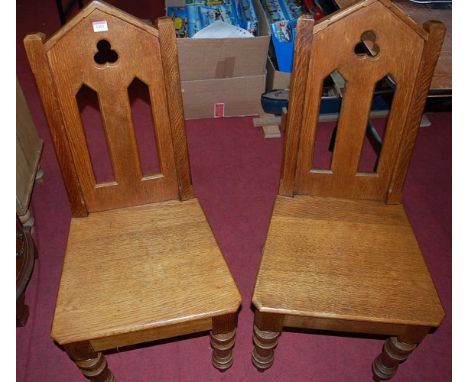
<point x="22" y="311"/>
<point x="396" y="350"/>
<point x="267" y="329"/>
<point x="223" y="337"/>
<point x="92" y="364"/>
<point x="264" y="345"/>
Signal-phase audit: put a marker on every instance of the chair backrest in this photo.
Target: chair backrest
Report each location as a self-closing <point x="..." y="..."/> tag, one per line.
<point x="399" y="48"/>
<point x="106" y="50"/>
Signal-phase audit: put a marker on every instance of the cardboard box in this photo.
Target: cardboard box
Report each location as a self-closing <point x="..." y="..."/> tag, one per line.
<point x="276" y="79"/>
<point x="229" y="71"/>
<point x="223" y="97"/>
<point x="201" y="59"/>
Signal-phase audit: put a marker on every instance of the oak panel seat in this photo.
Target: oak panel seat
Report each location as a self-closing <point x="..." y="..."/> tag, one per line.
<point x="147" y="283"/>
<point x="345" y="259"/>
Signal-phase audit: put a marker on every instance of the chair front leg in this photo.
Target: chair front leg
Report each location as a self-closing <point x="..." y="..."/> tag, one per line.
<point x="395" y="351"/>
<point x="223" y="337"/>
<point x="92" y="364"/>
<point x="267" y="329"/>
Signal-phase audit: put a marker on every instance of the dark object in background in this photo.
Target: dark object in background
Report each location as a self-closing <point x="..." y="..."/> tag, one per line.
<point x="435" y="4"/>
<point x="64" y="11"/>
<point x="275" y="100"/>
<point x="25" y="254"/>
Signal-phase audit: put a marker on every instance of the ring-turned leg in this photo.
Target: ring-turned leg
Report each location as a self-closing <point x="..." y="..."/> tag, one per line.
<point x="92" y="364"/>
<point x="267" y="329"/>
<point x="395" y="351"/>
<point x="223" y="337"/>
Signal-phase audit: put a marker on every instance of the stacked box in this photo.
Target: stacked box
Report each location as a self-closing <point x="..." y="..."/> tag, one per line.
<point x="279" y="73"/>
<point x="222" y="76"/>
<point x="193" y="17"/>
<point x="282" y="16"/>
<point x="247" y="16"/>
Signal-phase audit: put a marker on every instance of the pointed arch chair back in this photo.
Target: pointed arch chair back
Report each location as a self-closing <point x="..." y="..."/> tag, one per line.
<point x="106" y="50"/>
<point x="399" y="48"/>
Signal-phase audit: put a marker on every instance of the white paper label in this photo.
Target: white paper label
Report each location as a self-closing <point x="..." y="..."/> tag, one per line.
<point x="100" y="26"/>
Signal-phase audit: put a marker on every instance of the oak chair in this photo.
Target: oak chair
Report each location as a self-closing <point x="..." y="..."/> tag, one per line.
<point x="141" y="262"/>
<point x="340" y="253"/>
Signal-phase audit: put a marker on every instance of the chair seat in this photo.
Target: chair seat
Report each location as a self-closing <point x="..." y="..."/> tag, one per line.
<point x="345" y="259"/>
<point x="139" y="268"/>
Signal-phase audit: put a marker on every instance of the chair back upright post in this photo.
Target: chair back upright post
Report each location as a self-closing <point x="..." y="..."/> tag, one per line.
<point x="302" y="51"/>
<point x="106" y="50"/>
<point x="398" y="48"/>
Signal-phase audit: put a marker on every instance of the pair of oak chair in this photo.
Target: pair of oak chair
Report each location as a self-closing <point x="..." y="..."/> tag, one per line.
<point x="142" y="263"/>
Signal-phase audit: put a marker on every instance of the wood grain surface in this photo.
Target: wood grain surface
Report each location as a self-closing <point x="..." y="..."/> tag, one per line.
<point x="176" y="107"/>
<point x="72" y="64"/>
<point x="34" y="45"/>
<point x="67" y="61"/>
<point x="138" y="268"/>
<point x="344" y="259"/>
<point x="302" y="51"/>
<point x="436" y="31"/>
<point x="421" y="13"/>
<point x="400" y="53"/>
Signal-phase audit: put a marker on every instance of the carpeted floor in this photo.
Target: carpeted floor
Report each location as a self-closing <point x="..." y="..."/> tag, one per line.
<point x="235" y="174"/>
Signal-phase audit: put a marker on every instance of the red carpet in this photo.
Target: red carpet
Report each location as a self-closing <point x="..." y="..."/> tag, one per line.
<point x="235" y="174"/>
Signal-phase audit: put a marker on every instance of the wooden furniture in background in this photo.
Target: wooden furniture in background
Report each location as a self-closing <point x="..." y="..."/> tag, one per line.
<point x="141" y="262"/>
<point x="442" y="79"/>
<point x="340" y="253"/>
<point x="25" y="254"/>
<point x="28" y="155"/>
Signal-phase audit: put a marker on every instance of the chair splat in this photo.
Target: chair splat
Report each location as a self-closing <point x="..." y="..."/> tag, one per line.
<point x="104" y="60"/>
<point x="394" y="49"/>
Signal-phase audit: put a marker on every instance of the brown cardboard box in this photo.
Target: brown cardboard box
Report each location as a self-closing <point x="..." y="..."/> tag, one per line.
<point x="228" y="97"/>
<point x="229" y="71"/>
<point x="276" y="79"/>
<point x="201" y="59"/>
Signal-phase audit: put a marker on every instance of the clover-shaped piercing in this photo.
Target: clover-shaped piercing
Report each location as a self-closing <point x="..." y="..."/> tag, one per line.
<point x="105" y="54"/>
<point x="368" y="39"/>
